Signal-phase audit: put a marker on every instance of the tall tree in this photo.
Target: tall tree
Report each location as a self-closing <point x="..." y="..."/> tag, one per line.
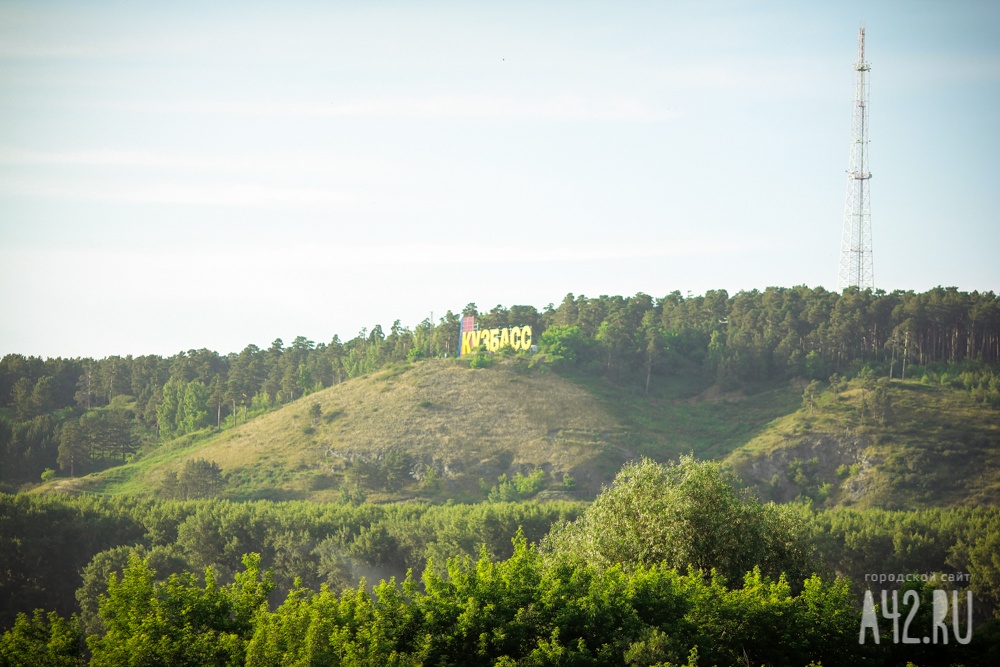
<point x="86" y="394"/>
<point x="24" y="408"/>
<point x="74" y="448"/>
<point x="195" y="407"/>
<point x="170" y="410"/>
<point x="43" y="396"/>
<point x="217" y="398"/>
<point x="655" y="338"/>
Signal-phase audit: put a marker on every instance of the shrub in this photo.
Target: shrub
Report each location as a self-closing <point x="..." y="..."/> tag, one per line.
<point x="685" y="514"/>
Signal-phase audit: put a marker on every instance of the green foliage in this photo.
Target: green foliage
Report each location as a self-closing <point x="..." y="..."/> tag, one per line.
<point x="878" y="443"/>
<point x="109" y="434"/>
<point x="42" y="640"/>
<point x="352" y="494"/>
<point x="184" y="408"/>
<point x="876" y="402"/>
<point x="520" y="487"/>
<point x="170" y="405"/>
<point x="94" y="584"/>
<point x="816" y="367"/>
<point x="563" y="344"/>
<point x="686" y="514"/>
<point x="984" y="560"/>
<point x="198" y="478"/>
<point x="261" y="402"/>
<point x="526" y="610"/>
<point x="195" y="414"/>
<point x="957" y="541"/>
<point x="298" y="633"/>
<point x="747" y="340"/>
<point x="511" y="604"/>
<point x="431" y="480"/>
<point x="74" y="448"/>
<point x="27" y="448"/>
<point x="481" y="359"/>
<point x="982" y="382"/>
<point x="57" y="552"/>
<point x="810" y="395"/>
<point x="315" y="412"/>
<point x="164" y="560"/>
<point x="178" y="621"/>
<point x="46" y="541"/>
<point x="737" y="340"/>
<point x="388" y="470"/>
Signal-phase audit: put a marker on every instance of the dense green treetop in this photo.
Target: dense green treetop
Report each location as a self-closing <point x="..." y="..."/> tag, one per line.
<point x="687" y="514"/>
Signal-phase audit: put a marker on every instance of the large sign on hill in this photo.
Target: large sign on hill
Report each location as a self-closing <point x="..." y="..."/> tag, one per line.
<point x="518" y="338"/>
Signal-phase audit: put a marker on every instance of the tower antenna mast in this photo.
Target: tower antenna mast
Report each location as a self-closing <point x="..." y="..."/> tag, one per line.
<point x="856" y="266"/>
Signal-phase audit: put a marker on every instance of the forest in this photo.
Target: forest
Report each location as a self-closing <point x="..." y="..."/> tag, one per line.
<point x="72" y="416"/>
<point x="673" y="563"/>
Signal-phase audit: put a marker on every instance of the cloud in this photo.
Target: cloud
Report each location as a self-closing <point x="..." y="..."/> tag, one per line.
<point x="284" y="165"/>
<point x="443" y="107"/>
<point x="333" y="255"/>
<point x="252" y="180"/>
<point x="251" y="195"/>
<point x="920" y="70"/>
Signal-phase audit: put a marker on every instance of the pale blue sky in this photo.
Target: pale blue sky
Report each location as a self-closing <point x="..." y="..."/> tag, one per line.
<point x="180" y="175"/>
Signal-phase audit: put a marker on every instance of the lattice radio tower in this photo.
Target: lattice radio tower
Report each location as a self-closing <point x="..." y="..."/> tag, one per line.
<point x="856" y="243"/>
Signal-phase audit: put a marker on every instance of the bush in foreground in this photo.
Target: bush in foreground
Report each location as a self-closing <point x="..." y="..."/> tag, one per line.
<point x="685" y="515"/>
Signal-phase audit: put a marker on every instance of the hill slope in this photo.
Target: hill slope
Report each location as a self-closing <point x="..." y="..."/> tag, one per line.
<point x="929" y="446"/>
<point x="438" y="429"/>
<point x="465" y="424"/>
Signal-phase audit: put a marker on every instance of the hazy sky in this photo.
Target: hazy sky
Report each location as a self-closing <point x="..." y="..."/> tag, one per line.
<point x="184" y="175"/>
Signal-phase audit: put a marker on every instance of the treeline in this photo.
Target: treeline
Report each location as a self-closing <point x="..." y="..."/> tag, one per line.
<point x="778" y="333"/>
<point x="157" y="398"/>
<point x="525" y="610"/>
<point x="749" y="337"/>
<point x="671" y="565"/>
<point x="56" y="552"/>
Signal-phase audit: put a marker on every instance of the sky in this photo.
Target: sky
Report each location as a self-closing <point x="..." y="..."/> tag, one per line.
<point x="185" y="175"/>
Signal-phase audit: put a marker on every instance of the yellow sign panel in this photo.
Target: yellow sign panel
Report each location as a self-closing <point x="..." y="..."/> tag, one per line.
<point x="518" y="338"/>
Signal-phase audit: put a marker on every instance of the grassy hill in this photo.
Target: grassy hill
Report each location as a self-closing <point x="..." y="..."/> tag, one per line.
<point x="450" y="432"/>
<point x="469" y="426"/>
<point x="465" y="424"/>
<point x="933" y="446"/>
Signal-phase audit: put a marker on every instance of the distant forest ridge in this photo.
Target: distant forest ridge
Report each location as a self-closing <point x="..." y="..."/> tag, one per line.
<point x="117" y="404"/>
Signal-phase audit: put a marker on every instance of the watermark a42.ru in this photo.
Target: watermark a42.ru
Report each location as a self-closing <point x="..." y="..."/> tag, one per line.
<point x="893" y="611"/>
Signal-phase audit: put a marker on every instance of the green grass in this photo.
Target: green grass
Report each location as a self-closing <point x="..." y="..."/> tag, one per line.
<point x="469" y="423"/>
<point x="143" y="474"/>
<point x="935" y="447"/>
<point x="709" y="425"/>
<point x="472" y="425"/>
